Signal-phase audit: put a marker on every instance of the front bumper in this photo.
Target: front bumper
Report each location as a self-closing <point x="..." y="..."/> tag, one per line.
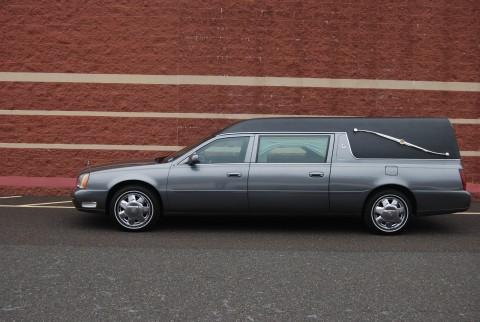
<point x="90" y="200"/>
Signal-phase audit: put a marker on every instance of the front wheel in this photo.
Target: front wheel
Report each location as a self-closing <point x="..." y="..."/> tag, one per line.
<point x="134" y="208"/>
<point x="387" y="212"/>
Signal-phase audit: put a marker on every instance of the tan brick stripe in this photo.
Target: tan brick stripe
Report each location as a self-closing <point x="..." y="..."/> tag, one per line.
<point x="238" y="81"/>
<point x="177" y="115"/>
<point x="126" y="147"/>
<point x="63" y="146"/>
<point x="470" y="153"/>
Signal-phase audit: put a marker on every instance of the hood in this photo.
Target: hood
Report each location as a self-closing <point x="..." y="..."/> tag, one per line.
<point x="118" y="165"/>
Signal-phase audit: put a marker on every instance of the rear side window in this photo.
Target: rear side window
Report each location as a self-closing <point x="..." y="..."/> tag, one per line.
<point x="293" y="149"/>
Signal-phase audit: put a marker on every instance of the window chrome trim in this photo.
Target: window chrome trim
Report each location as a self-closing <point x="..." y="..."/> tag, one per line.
<point x="248" y="152"/>
<point x="256" y="134"/>
<point x="331" y="143"/>
<point x="401" y="142"/>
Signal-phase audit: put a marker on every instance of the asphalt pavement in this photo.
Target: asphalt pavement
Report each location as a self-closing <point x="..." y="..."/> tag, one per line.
<point x="57" y="264"/>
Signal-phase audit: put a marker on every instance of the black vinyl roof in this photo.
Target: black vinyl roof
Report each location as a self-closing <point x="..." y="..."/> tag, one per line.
<point x="435" y="134"/>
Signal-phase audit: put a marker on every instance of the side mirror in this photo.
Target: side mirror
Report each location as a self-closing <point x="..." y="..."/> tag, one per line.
<point x="193" y="159"/>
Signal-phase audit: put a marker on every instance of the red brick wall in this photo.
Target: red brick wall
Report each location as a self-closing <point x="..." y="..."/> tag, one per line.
<point x="238" y="99"/>
<point x="395" y="39"/>
<point x="391" y="39"/>
<point x="158" y="131"/>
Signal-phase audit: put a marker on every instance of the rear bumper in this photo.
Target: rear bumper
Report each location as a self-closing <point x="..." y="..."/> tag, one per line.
<point x="441" y="202"/>
<point x="89" y="200"/>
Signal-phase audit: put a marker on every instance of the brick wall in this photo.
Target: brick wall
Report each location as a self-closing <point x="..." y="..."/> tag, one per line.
<point x="392" y="39"/>
<point x="365" y="39"/>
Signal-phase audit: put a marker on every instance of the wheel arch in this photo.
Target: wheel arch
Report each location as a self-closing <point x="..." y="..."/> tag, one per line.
<point x="125" y="183"/>
<point x="398" y="187"/>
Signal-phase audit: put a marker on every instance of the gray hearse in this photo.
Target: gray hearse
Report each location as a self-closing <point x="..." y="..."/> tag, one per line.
<point x="383" y="169"/>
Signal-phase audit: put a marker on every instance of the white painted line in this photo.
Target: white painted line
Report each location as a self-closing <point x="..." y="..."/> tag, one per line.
<point x="50" y="207"/>
<point x="41" y="205"/>
<point x="9" y="197"/>
<point x="46" y="203"/>
<point x="238" y="81"/>
<point x="222" y="116"/>
<point x="66" y="207"/>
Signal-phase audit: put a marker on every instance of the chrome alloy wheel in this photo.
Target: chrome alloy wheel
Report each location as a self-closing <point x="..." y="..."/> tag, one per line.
<point x="133" y="210"/>
<point x="389" y="213"/>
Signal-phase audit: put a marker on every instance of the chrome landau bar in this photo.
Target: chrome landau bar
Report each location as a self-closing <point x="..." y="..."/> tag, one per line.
<point x="402" y="142"/>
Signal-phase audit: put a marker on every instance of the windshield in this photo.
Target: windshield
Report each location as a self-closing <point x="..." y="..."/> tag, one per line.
<point x="176" y="155"/>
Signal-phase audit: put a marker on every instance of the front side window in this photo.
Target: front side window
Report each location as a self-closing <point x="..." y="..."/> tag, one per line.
<point x="227" y="150"/>
<point x="293" y="149"/>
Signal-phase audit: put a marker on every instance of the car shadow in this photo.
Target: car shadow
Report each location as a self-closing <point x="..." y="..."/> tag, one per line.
<point x="344" y="224"/>
<point x="332" y="224"/>
<point x="211" y="223"/>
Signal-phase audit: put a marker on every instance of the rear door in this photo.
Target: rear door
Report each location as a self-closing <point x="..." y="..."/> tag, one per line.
<point x="290" y="173"/>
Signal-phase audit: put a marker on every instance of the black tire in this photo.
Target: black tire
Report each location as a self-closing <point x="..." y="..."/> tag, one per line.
<point x="398" y="212"/>
<point x="142" y="209"/>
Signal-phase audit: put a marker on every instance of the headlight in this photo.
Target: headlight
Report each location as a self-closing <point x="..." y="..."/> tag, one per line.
<point x="83" y="180"/>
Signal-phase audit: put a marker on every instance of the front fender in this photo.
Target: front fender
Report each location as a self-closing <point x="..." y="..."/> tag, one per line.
<point x="156" y="177"/>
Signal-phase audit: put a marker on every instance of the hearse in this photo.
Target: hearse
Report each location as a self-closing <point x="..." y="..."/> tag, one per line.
<point x="385" y="170"/>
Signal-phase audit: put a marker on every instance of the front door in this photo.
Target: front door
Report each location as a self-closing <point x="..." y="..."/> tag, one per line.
<point x="290" y="174"/>
<point x="217" y="184"/>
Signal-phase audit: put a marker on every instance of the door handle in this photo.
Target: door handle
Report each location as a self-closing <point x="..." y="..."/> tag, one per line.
<point x="316" y="174"/>
<point x="234" y="174"/>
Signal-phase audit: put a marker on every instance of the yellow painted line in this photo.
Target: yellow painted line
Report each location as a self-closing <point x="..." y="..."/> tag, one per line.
<point x="239" y="81"/>
<point x="225" y="116"/>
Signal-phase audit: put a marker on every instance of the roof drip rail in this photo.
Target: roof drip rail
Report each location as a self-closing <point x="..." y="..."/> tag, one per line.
<point x="402" y="142"/>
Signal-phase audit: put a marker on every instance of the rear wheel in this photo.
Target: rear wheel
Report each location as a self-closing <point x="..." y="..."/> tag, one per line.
<point x="387" y="212"/>
<point x="134" y="208"/>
